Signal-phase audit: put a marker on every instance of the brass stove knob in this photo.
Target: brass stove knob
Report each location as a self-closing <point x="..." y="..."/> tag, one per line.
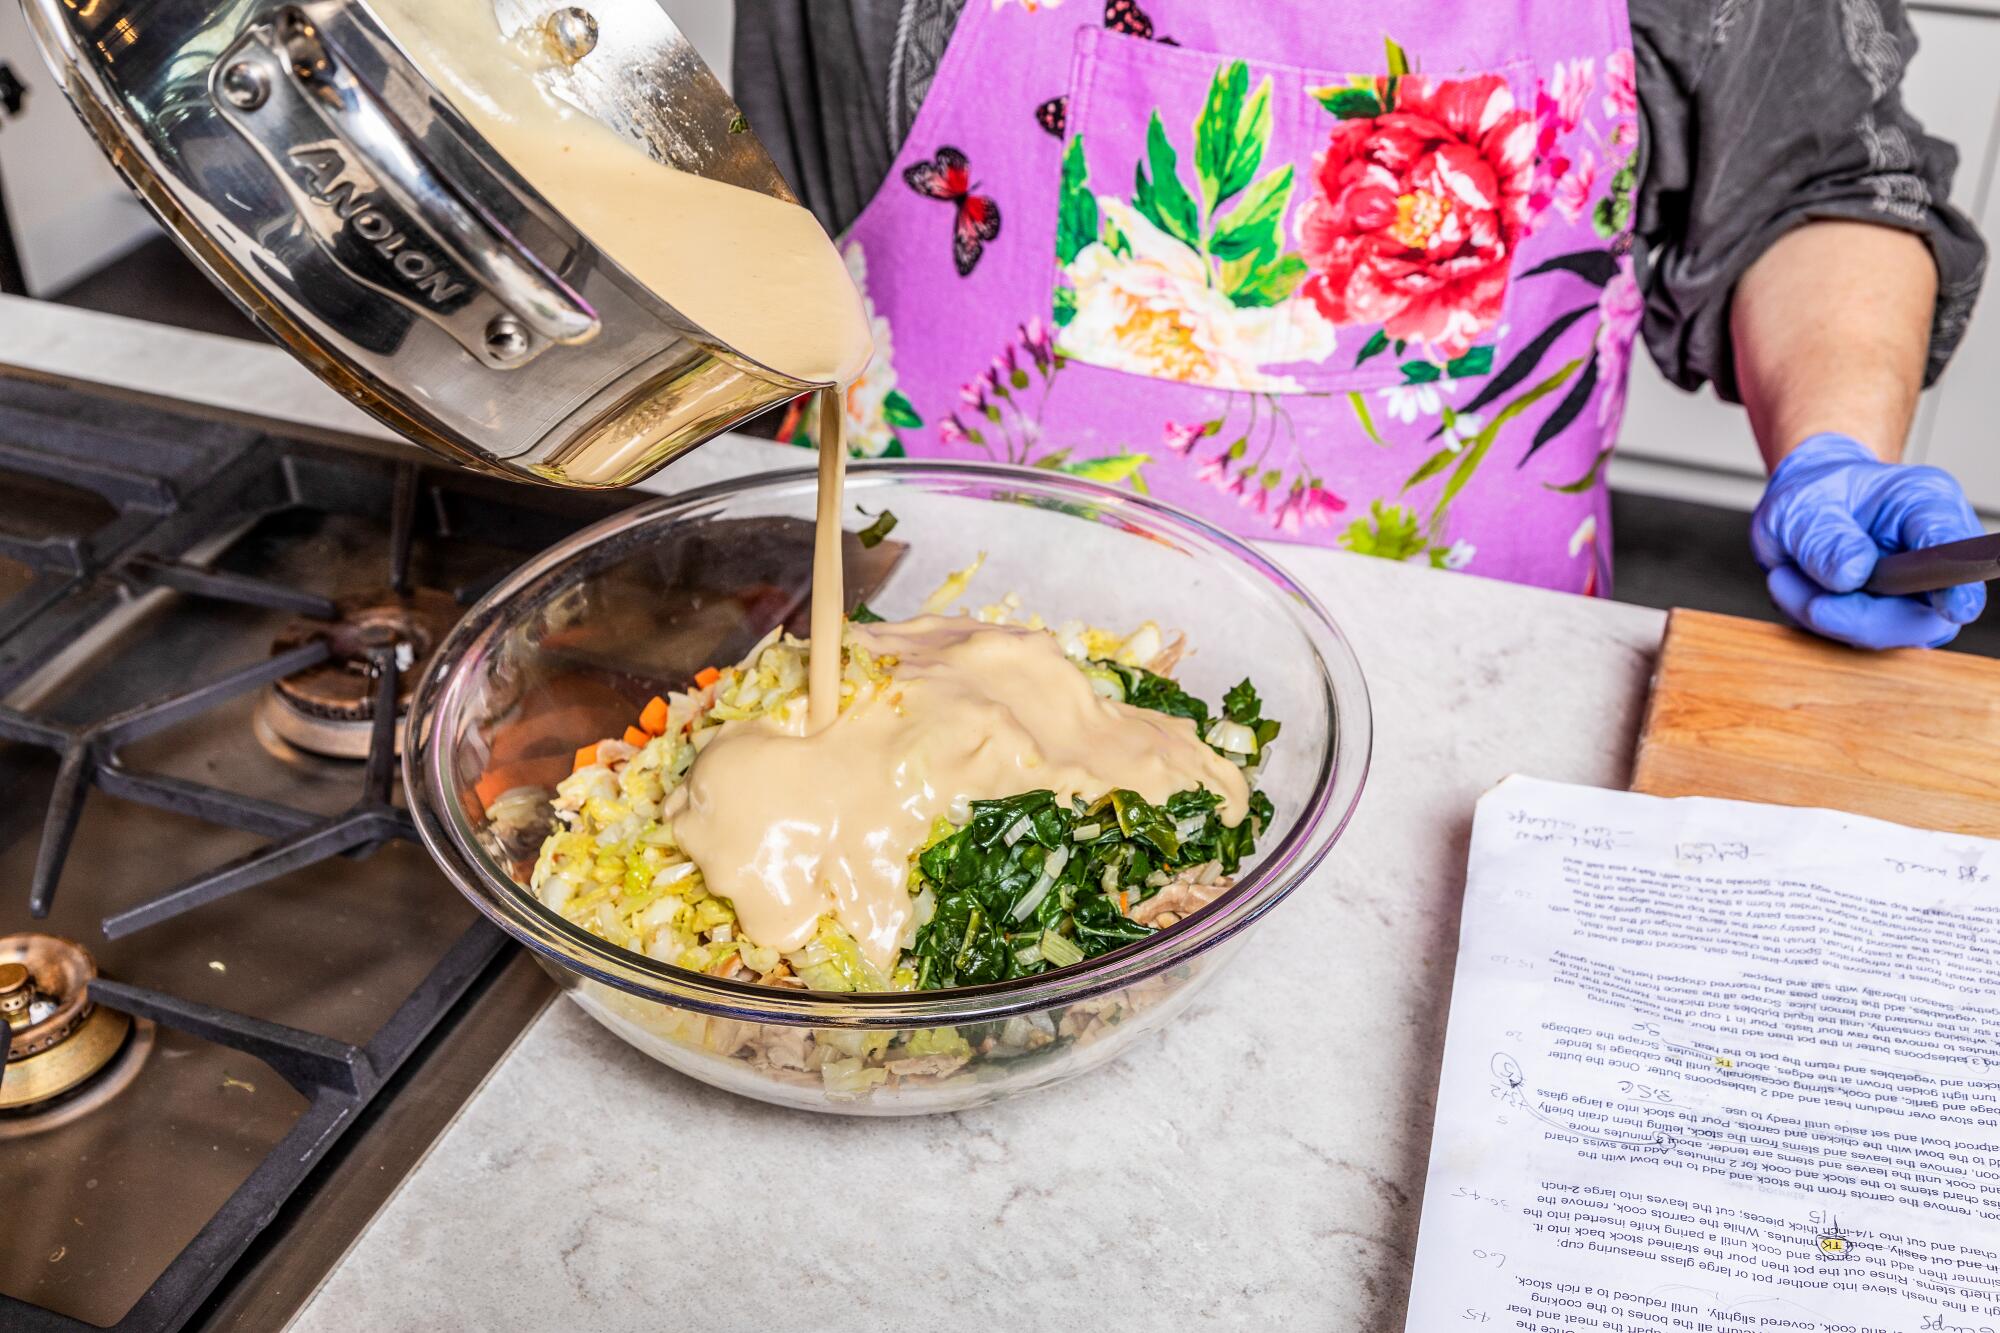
<point x="17" y="992"/>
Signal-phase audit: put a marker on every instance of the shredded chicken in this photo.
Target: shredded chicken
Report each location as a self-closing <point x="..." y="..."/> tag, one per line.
<point x="1088" y="1020"/>
<point x="1177" y="898"/>
<point x="933" y="1066"/>
<point x="727" y="1036"/>
<point x="783" y="1047"/>
<point x="780" y="976"/>
<point x="1020" y="1034"/>
<point x="1163" y="662"/>
<point x="1083" y="1017"/>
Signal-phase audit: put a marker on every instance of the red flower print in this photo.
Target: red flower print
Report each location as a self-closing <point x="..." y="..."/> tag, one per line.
<point x="1568" y="89"/>
<point x="1321" y="505"/>
<point x="1415" y="213"/>
<point x="1215" y="471"/>
<point x="1572" y="192"/>
<point x="1308" y="505"/>
<point x="1621" y="86"/>
<point x="1181" y="436"/>
<point x="1040" y="342"/>
<point x="1286" y="518"/>
<point x="1620" y="309"/>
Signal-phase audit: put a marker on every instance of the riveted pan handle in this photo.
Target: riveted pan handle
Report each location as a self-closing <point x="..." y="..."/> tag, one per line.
<point x="378" y="204"/>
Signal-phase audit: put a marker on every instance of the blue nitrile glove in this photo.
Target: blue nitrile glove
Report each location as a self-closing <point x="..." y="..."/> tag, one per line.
<point x="1832" y="508"/>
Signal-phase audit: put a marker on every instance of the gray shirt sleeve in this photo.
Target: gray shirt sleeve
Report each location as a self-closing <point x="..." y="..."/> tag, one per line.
<point x="812" y="78"/>
<point x="1759" y="116"/>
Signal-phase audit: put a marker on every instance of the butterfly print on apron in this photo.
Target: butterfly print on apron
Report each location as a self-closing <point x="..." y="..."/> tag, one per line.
<point x="976" y="218"/>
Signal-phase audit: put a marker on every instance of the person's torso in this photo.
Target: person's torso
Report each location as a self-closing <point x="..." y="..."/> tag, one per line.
<point x="1351" y="277"/>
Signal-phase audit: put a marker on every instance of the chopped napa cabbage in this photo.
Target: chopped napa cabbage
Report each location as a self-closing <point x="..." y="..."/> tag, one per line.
<point x="935" y="1041"/>
<point x="952" y="588"/>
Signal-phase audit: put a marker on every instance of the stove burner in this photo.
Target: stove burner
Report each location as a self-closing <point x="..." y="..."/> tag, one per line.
<point x="65" y="1055"/>
<point x="327" y="709"/>
<point x="233" y="525"/>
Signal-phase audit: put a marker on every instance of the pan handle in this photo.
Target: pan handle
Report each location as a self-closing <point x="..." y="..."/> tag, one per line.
<point x="374" y="200"/>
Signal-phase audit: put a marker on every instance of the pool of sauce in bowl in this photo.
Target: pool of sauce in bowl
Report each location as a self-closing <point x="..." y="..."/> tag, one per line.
<point x="789" y="821"/>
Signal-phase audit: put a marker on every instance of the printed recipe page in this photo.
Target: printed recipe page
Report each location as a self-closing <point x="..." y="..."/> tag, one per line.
<point x="1716" y="1066"/>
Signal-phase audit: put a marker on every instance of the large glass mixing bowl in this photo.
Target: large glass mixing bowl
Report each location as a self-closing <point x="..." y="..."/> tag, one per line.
<point x="570" y="647"/>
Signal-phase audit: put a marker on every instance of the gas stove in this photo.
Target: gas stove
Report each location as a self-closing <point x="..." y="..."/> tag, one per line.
<point x="235" y="990"/>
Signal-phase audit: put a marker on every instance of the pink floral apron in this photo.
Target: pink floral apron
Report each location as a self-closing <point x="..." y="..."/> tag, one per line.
<point x="1343" y="274"/>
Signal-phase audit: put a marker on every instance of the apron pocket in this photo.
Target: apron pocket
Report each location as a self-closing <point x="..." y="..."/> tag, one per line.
<point x="1252" y="226"/>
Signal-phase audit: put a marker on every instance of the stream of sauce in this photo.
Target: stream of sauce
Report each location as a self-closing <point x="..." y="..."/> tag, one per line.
<point x="794" y="817"/>
<point x="829" y="582"/>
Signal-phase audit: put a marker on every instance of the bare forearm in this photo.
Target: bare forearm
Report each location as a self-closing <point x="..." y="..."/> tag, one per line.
<point x="1831" y="326"/>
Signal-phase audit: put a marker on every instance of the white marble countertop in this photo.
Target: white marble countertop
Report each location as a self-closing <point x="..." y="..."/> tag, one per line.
<point x="1258" y="1164"/>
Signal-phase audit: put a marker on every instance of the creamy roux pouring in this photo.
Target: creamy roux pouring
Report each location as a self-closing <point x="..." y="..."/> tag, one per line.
<point x="795" y="817"/>
<point x="788" y="825"/>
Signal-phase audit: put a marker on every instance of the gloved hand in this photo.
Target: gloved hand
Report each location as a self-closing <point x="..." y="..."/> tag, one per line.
<point x="1831" y="509"/>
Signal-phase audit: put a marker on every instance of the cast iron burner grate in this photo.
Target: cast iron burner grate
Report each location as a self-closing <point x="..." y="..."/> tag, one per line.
<point x="90" y="753"/>
<point x="144" y="510"/>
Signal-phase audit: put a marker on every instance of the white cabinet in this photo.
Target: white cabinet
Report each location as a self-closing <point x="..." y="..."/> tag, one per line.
<point x="70" y="210"/>
<point x="1696" y="447"/>
<point x="1961" y="422"/>
<point x="710" y="26"/>
<point x="1959" y="427"/>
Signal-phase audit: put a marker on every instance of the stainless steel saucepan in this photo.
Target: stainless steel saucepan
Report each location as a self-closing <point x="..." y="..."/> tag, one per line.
<point x="307" y="165"/>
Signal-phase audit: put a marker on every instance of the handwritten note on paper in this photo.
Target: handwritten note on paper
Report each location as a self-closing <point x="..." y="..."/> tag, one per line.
<point x="1716" y="1066"/>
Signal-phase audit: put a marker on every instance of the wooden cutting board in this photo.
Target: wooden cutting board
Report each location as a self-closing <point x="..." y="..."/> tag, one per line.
<point x="1760" y="712"/>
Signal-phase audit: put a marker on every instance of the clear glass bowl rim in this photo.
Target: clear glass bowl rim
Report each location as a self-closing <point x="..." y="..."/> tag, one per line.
<point x="451" y="839"/>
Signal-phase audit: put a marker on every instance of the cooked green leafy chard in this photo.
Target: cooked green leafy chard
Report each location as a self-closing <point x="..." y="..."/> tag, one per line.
<point x="1241" y="733"/>
<point x="1031" y="883"/>
<point x="1143" y="689"/>
<point x="872" y="535"/>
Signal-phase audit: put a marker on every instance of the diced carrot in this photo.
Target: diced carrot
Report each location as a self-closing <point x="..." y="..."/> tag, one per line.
<point x="1124" y="908"/>
<point x="794" y="414"/>
<point x="585" y="757"/>
<point x="654" y="716"/>
<point x="636" y="737"/>
<point x="706" y="677"/>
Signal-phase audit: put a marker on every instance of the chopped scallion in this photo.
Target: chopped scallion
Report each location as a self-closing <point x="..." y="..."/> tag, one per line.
<point x="1051" y="869"/>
